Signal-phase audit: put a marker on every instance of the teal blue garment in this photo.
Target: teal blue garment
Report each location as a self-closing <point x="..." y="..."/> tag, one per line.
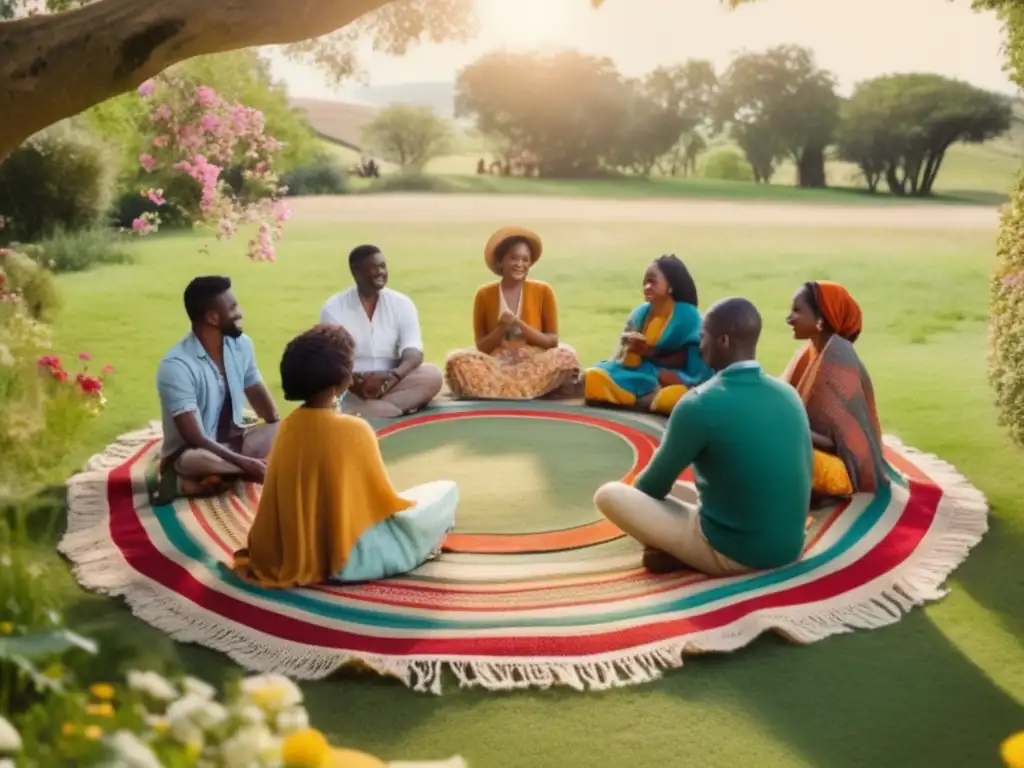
<point x="408" y="538"/>
<point x="748" y="439"/>
<point x="188" y="381"/>
<point x="682" y="332"/>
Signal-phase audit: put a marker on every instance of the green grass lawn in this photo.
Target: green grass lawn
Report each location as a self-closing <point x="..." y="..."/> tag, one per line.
<point x="941" y="688"/>
<point x="980" y="174"/>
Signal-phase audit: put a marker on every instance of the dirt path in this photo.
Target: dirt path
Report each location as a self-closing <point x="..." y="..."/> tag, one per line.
<point x="712" y="213"/>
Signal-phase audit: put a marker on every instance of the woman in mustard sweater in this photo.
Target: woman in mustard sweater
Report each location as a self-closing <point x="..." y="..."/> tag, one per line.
<point x="328" y="509"/>
<point x="515" y="321"/>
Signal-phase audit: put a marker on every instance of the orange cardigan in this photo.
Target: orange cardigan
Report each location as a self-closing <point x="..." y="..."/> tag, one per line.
<point x="537" y="308"/>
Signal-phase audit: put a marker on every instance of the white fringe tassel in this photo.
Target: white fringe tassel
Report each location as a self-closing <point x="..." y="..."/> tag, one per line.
<point x="960" y="523"/>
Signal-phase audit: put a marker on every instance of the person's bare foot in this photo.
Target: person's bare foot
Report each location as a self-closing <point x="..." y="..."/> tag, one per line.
<point x="656" y="561"/>
<point x="202" y="487"/>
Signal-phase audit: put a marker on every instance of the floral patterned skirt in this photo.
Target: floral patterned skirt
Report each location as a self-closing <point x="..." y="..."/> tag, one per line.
<point x="510" y="373"/>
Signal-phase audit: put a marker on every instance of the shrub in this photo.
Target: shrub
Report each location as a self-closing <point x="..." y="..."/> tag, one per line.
<point x="60" y="178"/>
<point x="1006" y="323"/>
<point x="726" y="164"/>
<point x="322" y="178"/>
<point x="79" y="251"/>
<point x="408" y="182"/>
<point x="30" y="281"/>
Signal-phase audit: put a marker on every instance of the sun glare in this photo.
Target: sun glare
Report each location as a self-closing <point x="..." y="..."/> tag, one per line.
<point x="522" y="24"/>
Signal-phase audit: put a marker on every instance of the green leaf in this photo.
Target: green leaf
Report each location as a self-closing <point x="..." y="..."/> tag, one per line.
<point x="44" y="644"/>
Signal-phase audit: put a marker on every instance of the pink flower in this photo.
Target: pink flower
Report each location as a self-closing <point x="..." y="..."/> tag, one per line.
<point x="90" y="385"/>
<point x="49" y="361"/>
<point x="5" y="251"/>
<point x="84" y="357"/>
<point x="147" y="161"/>
<point x="281" y="211"/>
<point x="156" y="196"/>
<point x="271" y="144"/>
<point x="160" y="141"/>
<point x="147" y="88"/>
<point x="206" y="97"/>
<point x="108" y="369"/>
<point x="141" y="226"/>
<point x="162" y="113"/>
<point x="210" y="123"/>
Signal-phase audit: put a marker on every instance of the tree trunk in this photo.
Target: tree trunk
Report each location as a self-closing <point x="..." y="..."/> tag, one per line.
<point x="54" y="66"/>
<point x="932" y="171"/>
<point x="810" y="168"/>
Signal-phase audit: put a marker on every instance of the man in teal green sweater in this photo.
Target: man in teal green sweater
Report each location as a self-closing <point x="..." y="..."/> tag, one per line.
<point x="747" y="436"/>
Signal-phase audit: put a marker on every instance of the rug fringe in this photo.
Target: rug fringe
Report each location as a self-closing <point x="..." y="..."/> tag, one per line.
<point x="961" y="521"/>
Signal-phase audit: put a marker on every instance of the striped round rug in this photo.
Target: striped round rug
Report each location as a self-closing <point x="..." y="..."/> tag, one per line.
<point x="534" y="587"/>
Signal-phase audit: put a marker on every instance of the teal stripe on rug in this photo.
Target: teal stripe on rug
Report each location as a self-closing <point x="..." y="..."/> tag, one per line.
<point x="180" y="538"/>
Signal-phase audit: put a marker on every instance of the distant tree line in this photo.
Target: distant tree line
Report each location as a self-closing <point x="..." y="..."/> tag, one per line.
<point x="574" y="115"/>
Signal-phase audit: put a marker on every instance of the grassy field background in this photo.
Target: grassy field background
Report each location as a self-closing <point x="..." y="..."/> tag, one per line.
<point x="971" y="173"/>
<point x="941" y="688"/>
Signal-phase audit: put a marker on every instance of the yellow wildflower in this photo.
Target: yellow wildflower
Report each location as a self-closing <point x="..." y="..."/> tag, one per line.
<point x="1012" y="751"/>
<point x="68" y="729"/>
<point x="102" y="691"/>
<point x="100" y="710"/>
<point x="305" y="749"/>
<point x="6" y="627"/>
<point x="93" y="733"/>
<point x="350" y="758"/>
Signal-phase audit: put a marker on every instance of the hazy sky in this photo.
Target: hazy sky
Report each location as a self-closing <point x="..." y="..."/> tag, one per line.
<point x="855" y="39"/>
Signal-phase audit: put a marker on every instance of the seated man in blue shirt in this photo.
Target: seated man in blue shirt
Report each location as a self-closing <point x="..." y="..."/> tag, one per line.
<point x="202" y="383"/>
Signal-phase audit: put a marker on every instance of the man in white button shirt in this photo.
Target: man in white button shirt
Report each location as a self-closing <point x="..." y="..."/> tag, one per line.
<point x="390" y="378"/>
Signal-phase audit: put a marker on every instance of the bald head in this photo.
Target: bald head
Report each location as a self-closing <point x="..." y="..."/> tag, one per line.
<point x="730" y="332"/>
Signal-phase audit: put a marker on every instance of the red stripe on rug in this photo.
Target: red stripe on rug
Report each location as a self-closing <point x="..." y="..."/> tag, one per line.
<point x="130" y="537"/>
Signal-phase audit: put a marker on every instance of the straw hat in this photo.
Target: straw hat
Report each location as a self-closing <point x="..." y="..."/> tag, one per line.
<point x="503" y="234"/>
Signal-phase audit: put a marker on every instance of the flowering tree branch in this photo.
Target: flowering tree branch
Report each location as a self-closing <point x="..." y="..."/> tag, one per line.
<point x="54" y="66"/>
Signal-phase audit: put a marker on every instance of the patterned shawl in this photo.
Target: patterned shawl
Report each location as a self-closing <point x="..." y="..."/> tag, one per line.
<point x="837" y="392"/>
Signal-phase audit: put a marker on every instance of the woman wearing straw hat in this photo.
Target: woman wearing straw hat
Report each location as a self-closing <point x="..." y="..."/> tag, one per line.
<point x="515" y="323"/>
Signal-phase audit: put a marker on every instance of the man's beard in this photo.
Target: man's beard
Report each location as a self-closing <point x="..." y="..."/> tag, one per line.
<point x="231" y="330"/>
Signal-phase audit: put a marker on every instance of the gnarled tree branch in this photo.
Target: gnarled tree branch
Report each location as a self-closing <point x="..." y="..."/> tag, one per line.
<point x="53" y="67"/>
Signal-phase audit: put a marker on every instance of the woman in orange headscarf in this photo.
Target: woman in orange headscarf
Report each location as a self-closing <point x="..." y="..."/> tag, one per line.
<point x="836" y="390"/>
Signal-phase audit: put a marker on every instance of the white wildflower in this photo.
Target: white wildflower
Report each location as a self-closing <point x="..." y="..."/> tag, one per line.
<point x="153" y="685"/>
<point x="131" y="752"/>
<point x="271" y="692"/>
<point x="198" y="687"/>
<point x="291" y="720"/>
<point x="210" y="715"/>
<point x="10" y="739"/>
<point x="182" y="719"/>
<point x="7" y="763"/>
<point x="250" y="714"/>
<point x="251" y="745"/>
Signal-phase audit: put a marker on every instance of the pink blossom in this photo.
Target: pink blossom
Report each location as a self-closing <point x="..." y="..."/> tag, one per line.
<point x="141" y="226"/>
<point x="147" y="161"/>
<point x="84" y="357"/>
<point x="147" y="88"/>
<point x="156" y="196"/>
<point x="210" y="123"/>
<point x="271" y="144"/>
<point x="281" y="211"/>
<point x="160" y="141"/>
<point x="162" y="114"/>
<point x="206" y="97"/>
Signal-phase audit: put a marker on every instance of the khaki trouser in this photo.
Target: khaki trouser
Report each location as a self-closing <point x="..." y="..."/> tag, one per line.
<point x="671" y="525"/>
<point x="410" y="394"/>
<point x="196" y="462"/>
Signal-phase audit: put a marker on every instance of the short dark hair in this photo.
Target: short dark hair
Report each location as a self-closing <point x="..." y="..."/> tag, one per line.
<point x="201" y="294"/>
<point x="316" y="360"/>
<point x="683" y="287"/>
<point x="508" y="244"/>
<point x="735" y="317"/>
<point x="360" y="253"/>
